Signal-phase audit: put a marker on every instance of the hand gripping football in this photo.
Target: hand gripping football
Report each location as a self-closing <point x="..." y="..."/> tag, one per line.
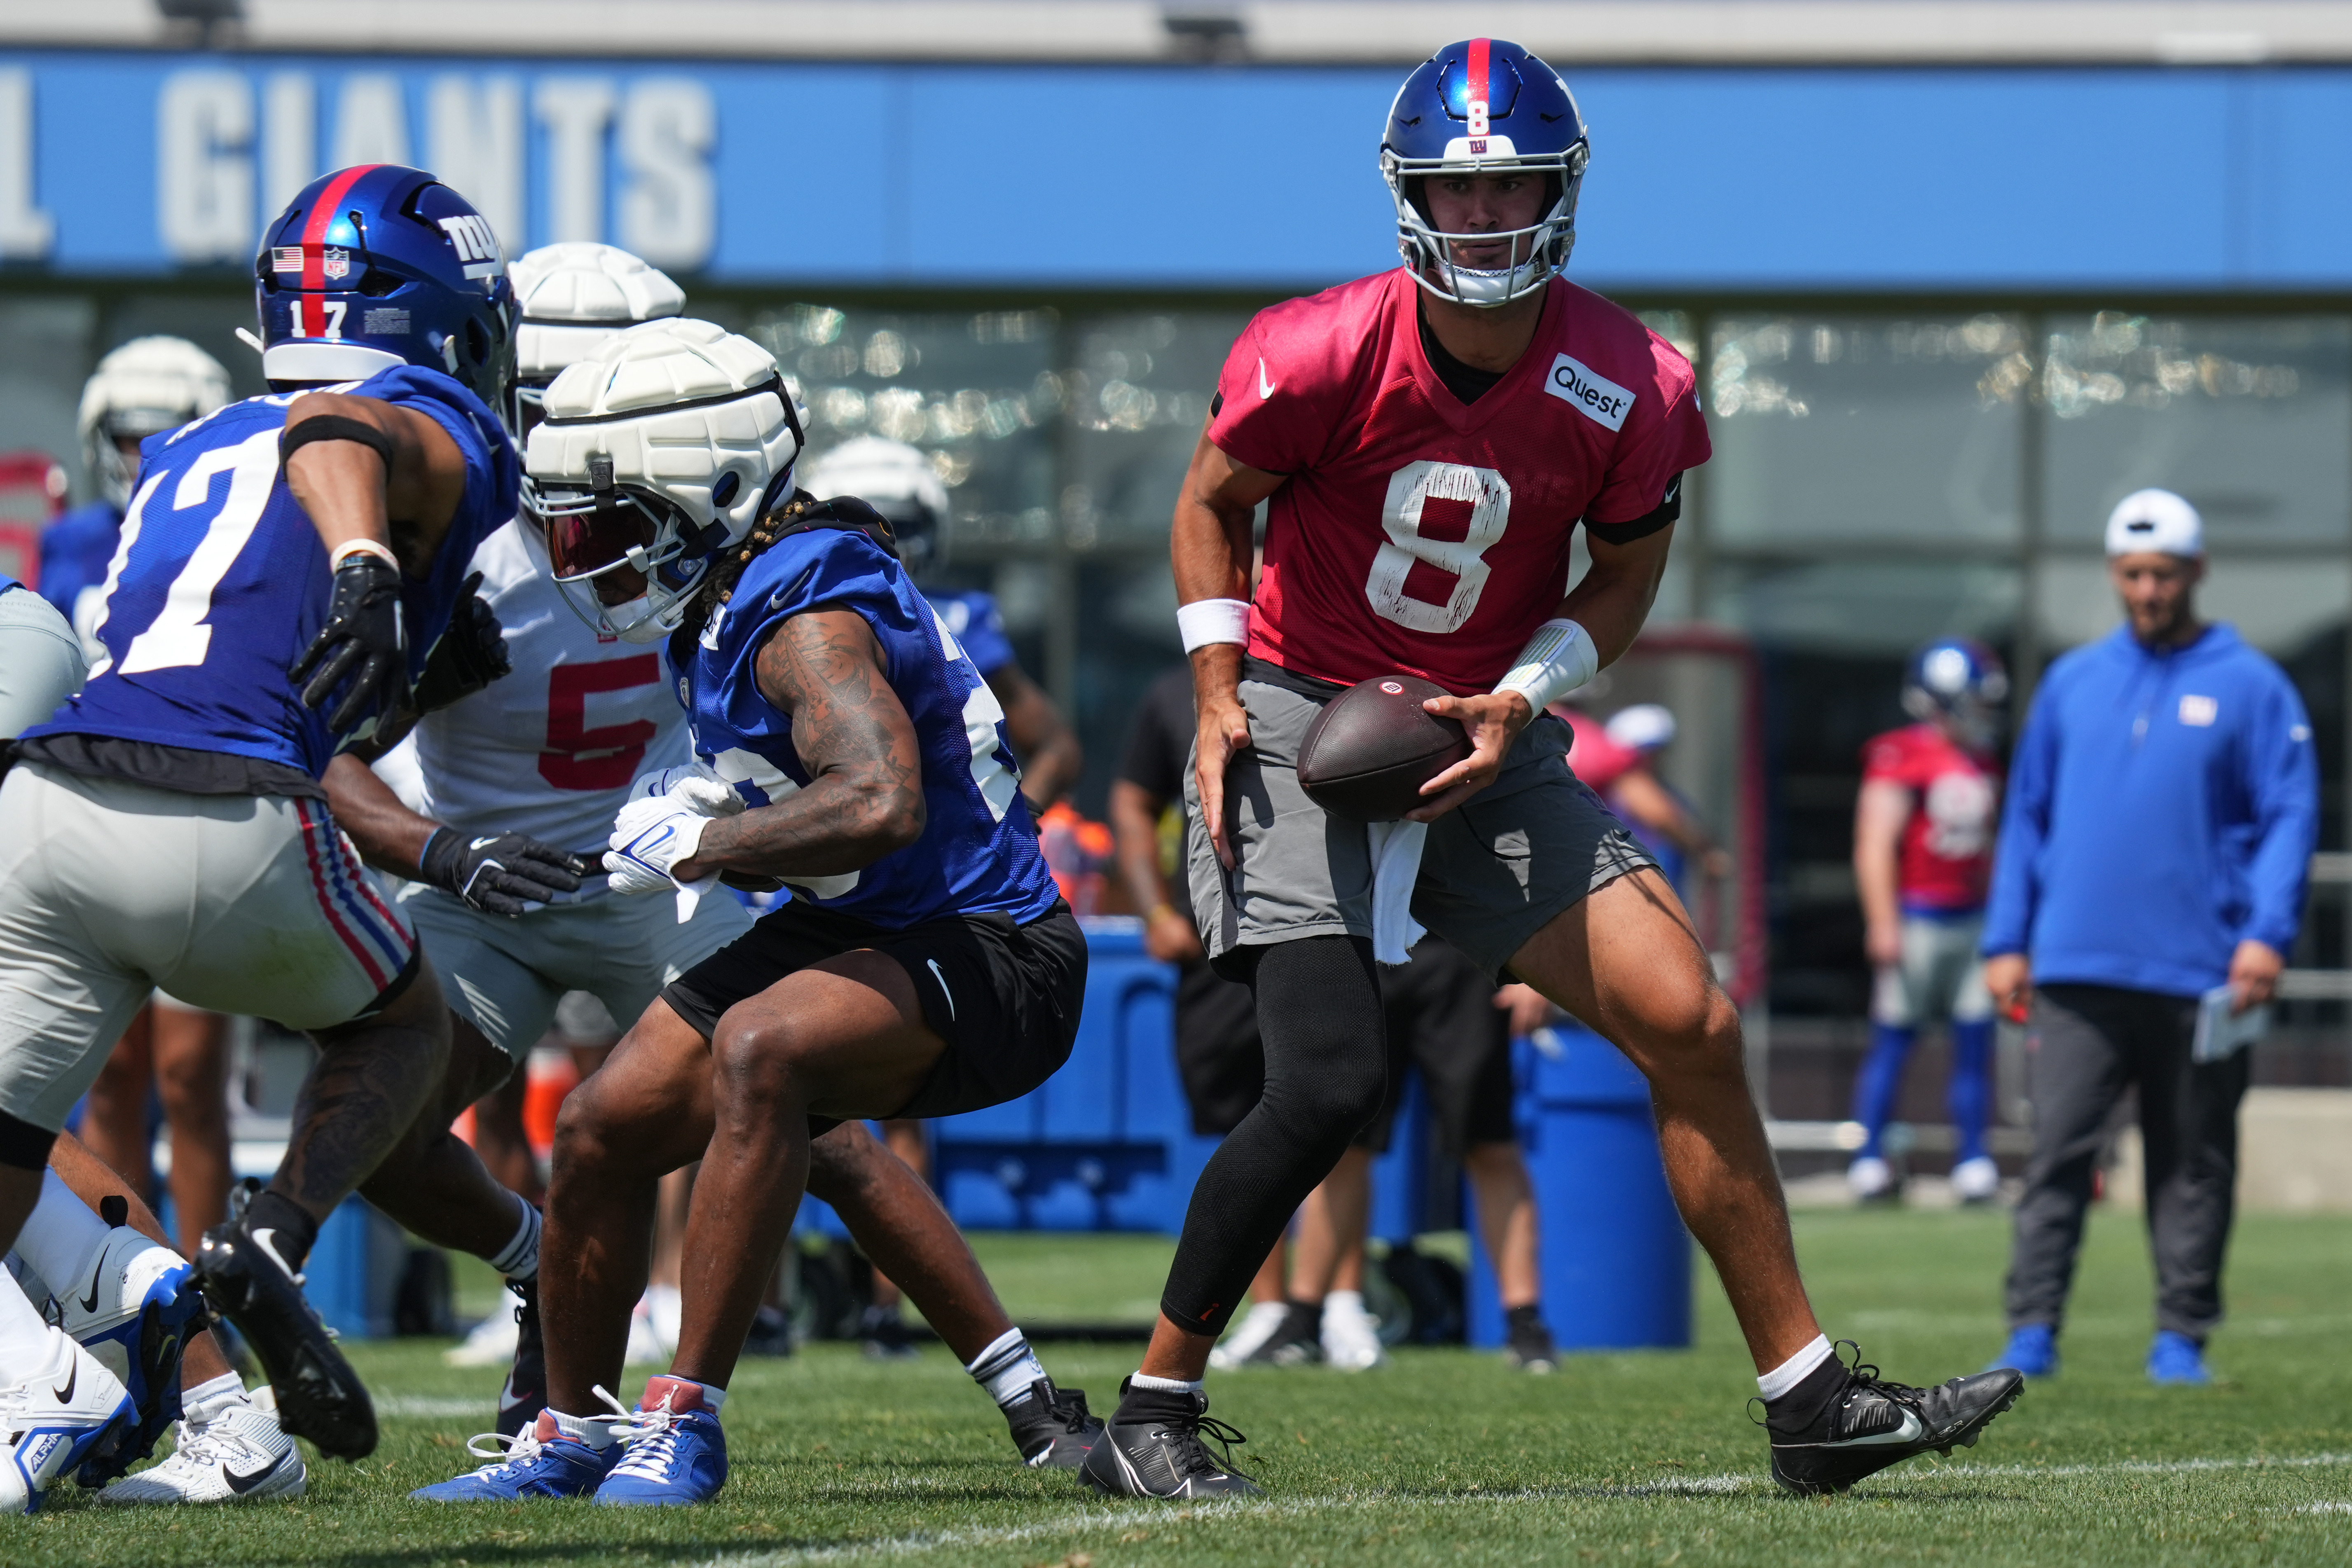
<point x="1373" y="747"/>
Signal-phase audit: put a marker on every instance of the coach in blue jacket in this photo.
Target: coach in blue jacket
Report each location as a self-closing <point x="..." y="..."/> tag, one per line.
<point x="2162" y="808"/>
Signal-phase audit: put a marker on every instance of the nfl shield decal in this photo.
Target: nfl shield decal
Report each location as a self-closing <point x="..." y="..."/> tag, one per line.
<point x="336" y="264"/>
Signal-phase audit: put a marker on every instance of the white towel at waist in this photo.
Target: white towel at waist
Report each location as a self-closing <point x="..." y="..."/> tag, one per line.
<point x="1396" y="867"/>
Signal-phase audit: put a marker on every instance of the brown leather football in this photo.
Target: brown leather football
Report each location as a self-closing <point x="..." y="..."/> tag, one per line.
<point x="1373" y="747"/>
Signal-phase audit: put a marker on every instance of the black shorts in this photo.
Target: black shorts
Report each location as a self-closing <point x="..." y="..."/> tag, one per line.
<point x="1218" y="1054"/>
<point x="1442" y="1018"/>
<point x="1006" y="997"/>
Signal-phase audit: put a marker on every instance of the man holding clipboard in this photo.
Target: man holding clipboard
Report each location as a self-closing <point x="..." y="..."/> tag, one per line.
<point x="2163" y="805"/>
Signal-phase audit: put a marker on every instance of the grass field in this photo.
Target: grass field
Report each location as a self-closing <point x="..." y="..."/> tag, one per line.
<point x="1443" y="1457"/>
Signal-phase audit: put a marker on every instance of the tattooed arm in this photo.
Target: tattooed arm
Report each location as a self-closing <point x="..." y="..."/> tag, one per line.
<point x="865" y="796"/>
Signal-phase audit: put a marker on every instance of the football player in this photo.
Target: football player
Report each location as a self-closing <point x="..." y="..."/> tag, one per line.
<point x="1923" y="832"/>
<point x="1427" y="439"/>
<point x="844" y="748"/>
<point x="288" y="569"/>
<point x="896" y="480"/>
<point x="545" y="757"/>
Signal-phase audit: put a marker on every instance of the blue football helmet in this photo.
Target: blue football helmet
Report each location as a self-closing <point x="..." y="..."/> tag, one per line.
<point x="376" y="266"/>
<point x="1484" y="106"/>
<point x="1958" y="679"/>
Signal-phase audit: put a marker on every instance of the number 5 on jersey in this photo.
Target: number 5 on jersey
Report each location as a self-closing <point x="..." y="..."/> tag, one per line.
<point x="1441" y="519"/>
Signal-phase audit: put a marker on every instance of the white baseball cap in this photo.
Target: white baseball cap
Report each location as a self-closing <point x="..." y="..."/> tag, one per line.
<point x="2154" y="520"/>
<point x="1643" y="727"/>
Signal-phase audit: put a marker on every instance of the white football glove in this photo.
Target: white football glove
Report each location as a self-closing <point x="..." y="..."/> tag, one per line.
<point x="652" y="834"/>
<point x="662" y="781"/>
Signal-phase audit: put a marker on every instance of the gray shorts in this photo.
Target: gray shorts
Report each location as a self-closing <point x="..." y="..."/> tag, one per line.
<point x="1496" y="872"/>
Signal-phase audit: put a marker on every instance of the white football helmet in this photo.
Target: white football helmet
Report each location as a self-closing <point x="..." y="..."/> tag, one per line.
<point x="145" y="387"/>
<point x="896" y="480"/>
<point x="575" y="297"/>
<point x="651" y="458"/>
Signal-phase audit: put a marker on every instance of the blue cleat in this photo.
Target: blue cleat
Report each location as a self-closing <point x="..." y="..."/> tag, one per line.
<point x="537" y="1462"/>
<point x="135" y="1316"/>
<point x="2032" y="1349"/>
<point x="678" y="1454"/>
<point x="2176" y="1361"/>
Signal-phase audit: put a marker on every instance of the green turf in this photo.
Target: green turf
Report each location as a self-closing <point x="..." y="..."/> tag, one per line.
<point x="1443" y="1457"/>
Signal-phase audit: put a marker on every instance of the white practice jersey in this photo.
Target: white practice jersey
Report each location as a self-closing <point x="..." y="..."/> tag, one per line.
<point x="551" y="749"/>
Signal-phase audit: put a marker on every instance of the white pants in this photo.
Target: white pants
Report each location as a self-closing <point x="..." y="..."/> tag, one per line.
<point x="1940" y="975"/>
<point x="110" y="891"/>
<point x="504" y="975"/>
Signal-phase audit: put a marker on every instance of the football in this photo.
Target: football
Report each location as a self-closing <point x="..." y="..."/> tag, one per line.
<point x="1370" y="749"/>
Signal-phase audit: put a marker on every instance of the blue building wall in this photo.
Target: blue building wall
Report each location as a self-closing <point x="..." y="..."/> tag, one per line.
<point x="1194" y="177"/>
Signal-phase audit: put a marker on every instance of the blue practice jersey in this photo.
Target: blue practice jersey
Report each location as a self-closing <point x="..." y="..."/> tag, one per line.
<point x="979" y="853"/>
<point x="973" y="620"/>
<point x="220" y="581"/>
<point x="75" y="550"/>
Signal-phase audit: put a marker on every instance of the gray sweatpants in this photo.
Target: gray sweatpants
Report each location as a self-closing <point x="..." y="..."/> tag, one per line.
<point x="2087" y="1043"/>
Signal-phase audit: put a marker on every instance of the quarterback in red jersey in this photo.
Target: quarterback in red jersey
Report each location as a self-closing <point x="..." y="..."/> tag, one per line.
<point x="1428" y="440"/>
<point x="1923" y="831"/>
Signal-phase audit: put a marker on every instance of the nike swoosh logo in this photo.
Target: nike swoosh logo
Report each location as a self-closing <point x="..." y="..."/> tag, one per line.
<point x="933" y="964"/>
<point x="90" y="1302"/>
<point x="73" y="1371"/>
<point x="482" y="843"/>
<point x="1911" y="1431"/>
<point x="1264" y="387"/>
<point x="242" y="1484"/>
<point x="267" y="1241"/>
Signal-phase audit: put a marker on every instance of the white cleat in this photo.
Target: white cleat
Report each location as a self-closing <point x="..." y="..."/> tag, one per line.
<point x="1243" y="1339"/>
<point x="67" y="1411"/>
<point x="493" y="1340"/>
<point x="231" y="1449"/>
<point x="133" y="1308"/>
<point x="1976" y="1181"/>
<point x="1351" y="1336"/>
<point x="1870" y="1177"/>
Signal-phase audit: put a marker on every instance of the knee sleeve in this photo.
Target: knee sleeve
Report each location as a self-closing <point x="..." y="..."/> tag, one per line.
<point x="1318" y="1009"/>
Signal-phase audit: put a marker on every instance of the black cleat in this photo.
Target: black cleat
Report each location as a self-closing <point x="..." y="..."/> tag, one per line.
<point x="1052" y="1427"/>
<point x="319" y="1396"/>
<point x="1156" y="1451"/>
<point x="1871" y="1424"/>
<point x="1299" y="1343"/>
<point x="525" y="1393"/>
<point x="1530" y="1349"/>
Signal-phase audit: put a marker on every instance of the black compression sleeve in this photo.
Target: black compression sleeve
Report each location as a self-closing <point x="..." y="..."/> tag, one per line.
<point x="1318" y="1011"/>
<point x="1668" y="511"/>
<point x="333" y="427"/>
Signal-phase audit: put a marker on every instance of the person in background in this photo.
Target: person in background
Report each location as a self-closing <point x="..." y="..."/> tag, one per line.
<point x="896" y="480"/>
<point x="2163" y="802"/>
<point x="144" y="388"/>
<point x="1666" y="824"/>
<point x="1219" y="1058"/>
<point x="1922" y="852"/>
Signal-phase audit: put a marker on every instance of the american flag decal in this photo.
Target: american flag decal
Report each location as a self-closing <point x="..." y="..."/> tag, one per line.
<point x="286" y="258"/>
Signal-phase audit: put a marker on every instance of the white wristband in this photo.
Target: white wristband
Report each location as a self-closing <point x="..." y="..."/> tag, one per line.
<point x="1206" y="621"/>
<point x="1557" y="660"/>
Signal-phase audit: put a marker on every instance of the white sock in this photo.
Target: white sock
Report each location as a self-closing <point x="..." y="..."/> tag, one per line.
<point x="596" y="1431"/>
<point x="62" y="1237"/>
<point x="1164" y="1384"/>
<point x="1796" y="1369"/>
<point x="1008" y="1368"/>
<point x="519" y="1259"/>
<point x="24" y="1336"/>
<point x="1344" y="1304"/>
<point x="665" y="1312"/>
<point x="209" y="1398"/>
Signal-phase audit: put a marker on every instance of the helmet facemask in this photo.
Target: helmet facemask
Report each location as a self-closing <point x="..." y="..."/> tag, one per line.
<point x="594" y="533"/>
<point x="1538" y="251"/>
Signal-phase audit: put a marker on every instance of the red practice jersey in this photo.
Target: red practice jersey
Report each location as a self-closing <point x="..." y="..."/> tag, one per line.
<point x="1946" y="857"/>
<point x="1419" y="534"/>
<point x="1596" y="759"/>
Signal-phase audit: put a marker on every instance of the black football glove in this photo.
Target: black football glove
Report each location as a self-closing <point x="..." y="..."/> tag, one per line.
<point x="470" y="655"/>
<point x="504" y="874"/>
<point x="365" y="638"/>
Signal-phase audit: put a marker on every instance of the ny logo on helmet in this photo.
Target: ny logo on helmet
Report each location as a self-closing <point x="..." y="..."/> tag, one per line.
<point x="477" y="246"/>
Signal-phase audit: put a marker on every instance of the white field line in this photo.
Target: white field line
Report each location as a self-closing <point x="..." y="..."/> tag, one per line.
<point x="433" y="1407"/>
<point x="1103" y="1518"/>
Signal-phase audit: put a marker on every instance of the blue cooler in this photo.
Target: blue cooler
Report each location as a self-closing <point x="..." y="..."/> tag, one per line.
<point x="1616" y="1259"/>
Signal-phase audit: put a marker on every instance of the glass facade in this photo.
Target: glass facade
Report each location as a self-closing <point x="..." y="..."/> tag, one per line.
<point x="1880" y="474"/>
